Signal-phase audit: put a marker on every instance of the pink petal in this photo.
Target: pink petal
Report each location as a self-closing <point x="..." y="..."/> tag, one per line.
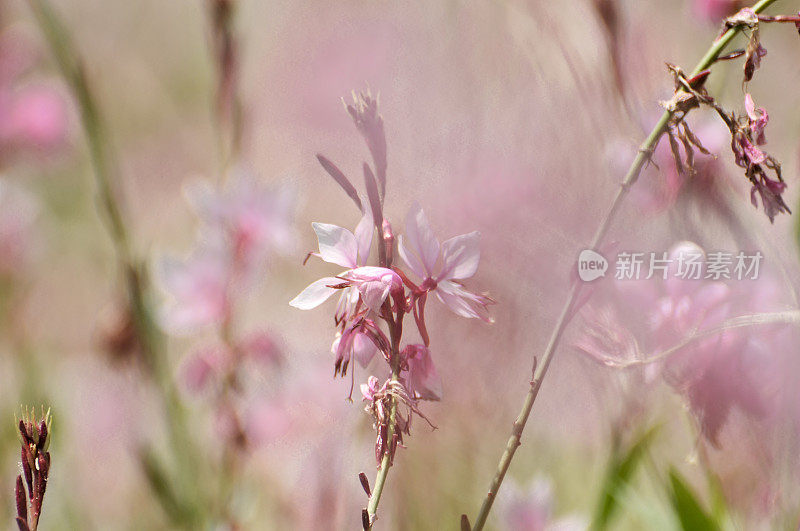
<point x="336" y="245"/>
<point x="463" y="302"/>
<point x="315" y="294"/>
<point x="363" y="234"/>
<point x="750" y="107"/>
<point x="461" y="256"/>
<point x="410" y="258"/>
<point x="374" y="284"/>
<point x="423" y="380"/>
<point x="364" y="349"/>
<point x="421" y="239"/>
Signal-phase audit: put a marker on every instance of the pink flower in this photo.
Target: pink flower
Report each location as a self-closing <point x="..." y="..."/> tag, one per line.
<point x="770" y="192"/>
<point x="714" y="374"/>
<point x="341" y="247"/>
<point x="421" y="252"/>
<point x="605" y="340"/>
<point x="375" y="284"/>
<point x="715" y="10"/>
<point x="200" y="368"/>
<point x="369" y="389"/>
<point x="262" y="347"/>
<point x="360" y="341"/>
<point x="31" y="115"/>
<point x="252" y="218"/>
<point x="37" y="118"/>
<point x="757" y="118"/>
<point x="198" y="288"/>
<point x="422" y="380"/>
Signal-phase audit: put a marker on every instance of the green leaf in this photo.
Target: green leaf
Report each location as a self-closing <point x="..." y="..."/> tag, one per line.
<point x="687" y="507"/>
<point x="622" y="465"/>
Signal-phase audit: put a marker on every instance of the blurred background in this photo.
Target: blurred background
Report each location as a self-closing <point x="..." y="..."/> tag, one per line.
<point x="516" y="119"/>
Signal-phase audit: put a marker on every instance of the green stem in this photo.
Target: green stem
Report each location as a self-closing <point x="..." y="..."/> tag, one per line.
<point x="135" y="273"/>
<point x="386" y="461"/>
<point x="395" y="333"/>
<point x="540" y="369"/>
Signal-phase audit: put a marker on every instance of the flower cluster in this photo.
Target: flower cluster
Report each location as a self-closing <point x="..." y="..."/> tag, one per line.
<point x="34" y="437"/>
<point x="747" y="131"/>
<point x="242" y="225"/>
<point x="32" y="114"/>
<point x="715" y="372"/>
<point x="375" y="299"/>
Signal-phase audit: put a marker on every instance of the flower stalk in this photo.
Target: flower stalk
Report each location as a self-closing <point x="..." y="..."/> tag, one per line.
<point x="369" y="295"/>
<point x="540" y="367"/>
<point x="34" y="436"/>
<point x="135" y="274"/>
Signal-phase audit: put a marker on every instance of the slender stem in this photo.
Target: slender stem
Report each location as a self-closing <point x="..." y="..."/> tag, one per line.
<point x="540" y="369"/>
<point x="396" y="332"/>
<point x="743" y="321"/>
<point x="135" y="274"/>
<point x="386" y="461"/>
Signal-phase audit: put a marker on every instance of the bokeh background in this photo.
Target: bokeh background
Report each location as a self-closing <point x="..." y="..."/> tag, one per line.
<point x="516" y="119"/>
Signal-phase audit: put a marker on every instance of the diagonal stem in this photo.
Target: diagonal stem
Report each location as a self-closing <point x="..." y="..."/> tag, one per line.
<point x="135" y="274"/>
<point x="540" y="369"/>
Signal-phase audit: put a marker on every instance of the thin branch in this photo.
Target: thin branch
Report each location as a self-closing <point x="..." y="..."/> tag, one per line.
<point x="645" y="151"/>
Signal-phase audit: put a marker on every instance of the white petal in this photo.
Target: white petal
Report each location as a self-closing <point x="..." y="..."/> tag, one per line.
<point x="373" y="294"/>
<point x="460" y="256"/>
<point x="364" y="349"/>
<point x="363" y="234"/>
<point x="421" y="238"/>
<point x="461" y="301"/>
<point x="336" y="245"/>
<point x="410" y="258"/>
<point x="315" y="294"/>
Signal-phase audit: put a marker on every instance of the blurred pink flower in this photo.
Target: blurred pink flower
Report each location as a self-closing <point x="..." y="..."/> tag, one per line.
<point x="262" y="347"/>
<point x="715" y="373"/>
<point x="32" y="115"/>
<point x="254" y="219"/>
<point x="532" y="509"/>
<point x="715" y="10"/>
<point x="200" y="368"/>
<point x="422" y="380"/>
<point x="421" y="252"/>
<point x="34" y="118"/>
<point x="199" y="290"/>
<point x="605" y="340"/>
<point x="18" y="213"/>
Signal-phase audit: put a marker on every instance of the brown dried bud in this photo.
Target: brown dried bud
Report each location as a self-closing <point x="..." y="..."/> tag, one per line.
<point x="22" y="502"/>
<point x="364" y="483"/>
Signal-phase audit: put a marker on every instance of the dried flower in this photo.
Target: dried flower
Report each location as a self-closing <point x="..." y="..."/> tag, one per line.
<point x="34" y="436"/>
<point x="422" y="380"/>
<point x="364" y="111"/>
